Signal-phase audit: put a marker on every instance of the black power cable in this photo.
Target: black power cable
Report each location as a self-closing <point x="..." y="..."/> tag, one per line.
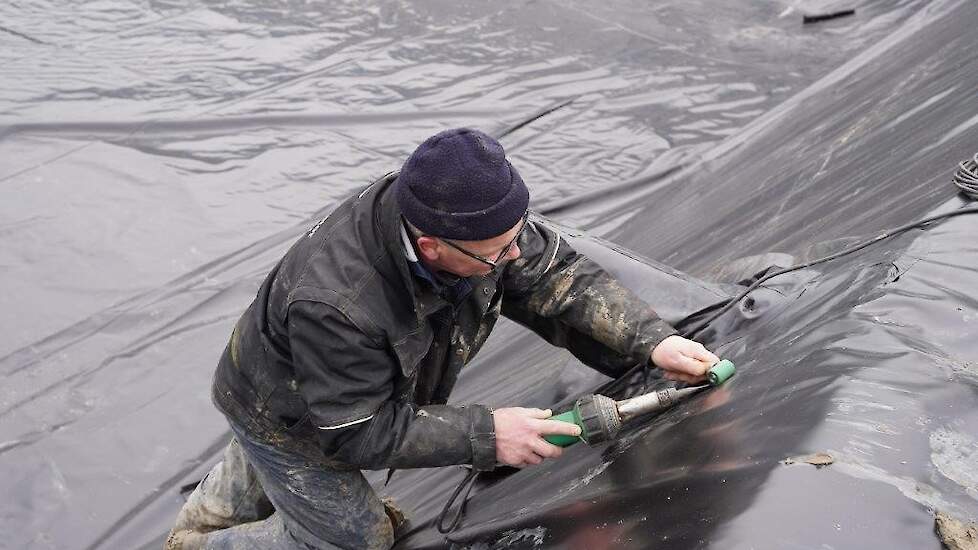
<point x="854" y="248"/>
<point x="965" y="179"/>
<point x="466" y="485"/>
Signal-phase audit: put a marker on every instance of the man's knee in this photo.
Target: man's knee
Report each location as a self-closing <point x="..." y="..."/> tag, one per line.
<point x="383" y="534"/>
<point x="378" y="535"/>
<point x="360" y="522"/>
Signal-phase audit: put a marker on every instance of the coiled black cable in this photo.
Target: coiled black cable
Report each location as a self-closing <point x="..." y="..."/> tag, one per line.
<point x="966" y="178"/>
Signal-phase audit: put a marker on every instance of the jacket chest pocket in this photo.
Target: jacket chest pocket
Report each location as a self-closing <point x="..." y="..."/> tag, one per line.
<point x="486" y="323"/>
<point x="411" y="348"/>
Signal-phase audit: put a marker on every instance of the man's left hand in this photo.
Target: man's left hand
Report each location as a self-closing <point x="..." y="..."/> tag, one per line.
<point x="683" y="360"/>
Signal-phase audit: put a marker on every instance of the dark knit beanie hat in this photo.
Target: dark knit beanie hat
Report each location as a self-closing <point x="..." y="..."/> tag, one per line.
<point x="459" y="185"/>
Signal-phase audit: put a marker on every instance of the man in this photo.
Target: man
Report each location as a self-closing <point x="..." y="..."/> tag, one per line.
<point x="347" y="356"/>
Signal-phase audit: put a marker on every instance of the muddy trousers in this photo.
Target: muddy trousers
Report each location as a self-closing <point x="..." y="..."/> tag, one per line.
<point x="263" y="497"/>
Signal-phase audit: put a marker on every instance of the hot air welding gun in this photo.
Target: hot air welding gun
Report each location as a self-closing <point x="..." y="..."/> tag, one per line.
<point x="601" y="418"/>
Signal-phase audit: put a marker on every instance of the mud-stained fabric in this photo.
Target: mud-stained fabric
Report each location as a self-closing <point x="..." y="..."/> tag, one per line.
<point x="268" y="496"/>
<point x="230" y="494"/>
<point x="572" y="302"/>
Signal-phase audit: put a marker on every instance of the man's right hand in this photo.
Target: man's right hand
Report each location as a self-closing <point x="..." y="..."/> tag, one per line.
<point x="519" y="435"/>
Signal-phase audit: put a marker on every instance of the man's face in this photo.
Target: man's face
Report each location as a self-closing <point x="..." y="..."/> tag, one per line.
<point x="470" y="258"/>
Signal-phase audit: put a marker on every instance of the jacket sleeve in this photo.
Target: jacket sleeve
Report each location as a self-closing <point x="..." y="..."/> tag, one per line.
<point x="573" y="303"/>
<point x="347" y="380"/>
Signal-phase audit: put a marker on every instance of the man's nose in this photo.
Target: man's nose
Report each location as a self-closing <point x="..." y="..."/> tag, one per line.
<point x="514" y="252"/>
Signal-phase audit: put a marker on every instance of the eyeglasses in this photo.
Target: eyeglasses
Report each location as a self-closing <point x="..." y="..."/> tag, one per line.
<point x="494" y="263"/>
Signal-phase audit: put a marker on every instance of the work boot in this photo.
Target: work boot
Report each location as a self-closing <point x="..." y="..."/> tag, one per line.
<point x="185" y="539"/>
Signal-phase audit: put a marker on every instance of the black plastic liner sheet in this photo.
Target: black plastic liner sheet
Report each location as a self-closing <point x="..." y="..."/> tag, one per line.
<point x="156" y="158"/>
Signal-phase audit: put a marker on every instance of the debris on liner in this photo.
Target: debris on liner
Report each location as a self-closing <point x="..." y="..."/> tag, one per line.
<point x="815" y="459"/>
<point x="955" y="534"/>
<point x="818" y="18"/>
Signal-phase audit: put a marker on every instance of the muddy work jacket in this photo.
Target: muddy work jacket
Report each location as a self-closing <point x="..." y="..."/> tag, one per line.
<point x="347" y="351"/>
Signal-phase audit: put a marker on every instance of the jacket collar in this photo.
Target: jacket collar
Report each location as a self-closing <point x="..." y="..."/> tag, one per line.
<point x="388" y="219"/>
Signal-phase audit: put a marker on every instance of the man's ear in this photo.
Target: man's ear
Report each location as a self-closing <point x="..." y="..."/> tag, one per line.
<point x="429" y="248"/>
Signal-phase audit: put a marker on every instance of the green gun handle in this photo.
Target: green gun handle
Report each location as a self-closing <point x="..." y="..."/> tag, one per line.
<point x="721" y="372"/>
<point x="571" y="417"/>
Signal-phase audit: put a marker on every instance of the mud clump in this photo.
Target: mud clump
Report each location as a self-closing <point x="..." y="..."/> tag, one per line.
<point x="818" y="460"/>
<point x="955" y="534"/>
